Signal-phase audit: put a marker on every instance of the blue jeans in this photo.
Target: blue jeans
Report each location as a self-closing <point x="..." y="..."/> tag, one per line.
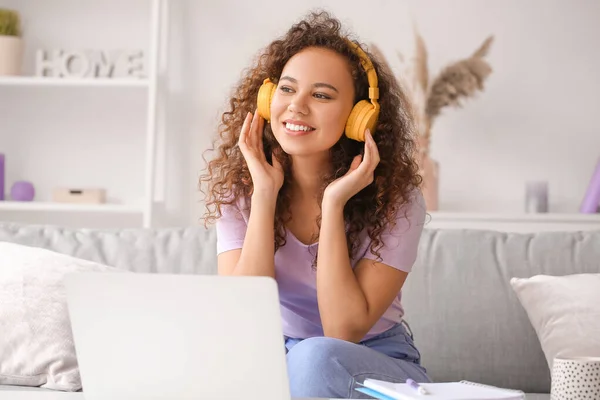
<point x="330" y="368"/>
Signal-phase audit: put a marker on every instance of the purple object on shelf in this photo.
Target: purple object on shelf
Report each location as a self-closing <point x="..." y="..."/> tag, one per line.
<point x="2" y="159"/>
<point x="22" y="191"/>
<point x="591" y="201"/>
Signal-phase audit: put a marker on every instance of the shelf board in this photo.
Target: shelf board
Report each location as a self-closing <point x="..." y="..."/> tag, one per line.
<point x="69" y="207"/>
<point x="516" y="217"/>
<point x="71" y="82"/>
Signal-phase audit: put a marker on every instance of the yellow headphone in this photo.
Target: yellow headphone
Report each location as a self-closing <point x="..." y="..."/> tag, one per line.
<point x="364" y="114"/>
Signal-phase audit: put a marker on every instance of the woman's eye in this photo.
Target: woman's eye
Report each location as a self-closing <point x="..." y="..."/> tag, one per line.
<point x="286" y="89"/>
<point x="322" y="96"/>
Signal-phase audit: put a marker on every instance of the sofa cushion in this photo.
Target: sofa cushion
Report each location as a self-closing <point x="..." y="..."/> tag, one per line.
<point x="467" y="320"/>
<point x="169" y="250"/>
<point x="36" y="344"/>
<point x="565" y="313"/>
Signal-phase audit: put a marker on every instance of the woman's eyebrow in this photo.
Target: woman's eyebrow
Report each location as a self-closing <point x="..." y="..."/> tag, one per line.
<point x="318" y="84"/>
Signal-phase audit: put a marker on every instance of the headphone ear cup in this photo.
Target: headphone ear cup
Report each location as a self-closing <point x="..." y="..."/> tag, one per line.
<point x="362" y="116"/>
<point x="263" y="103"/>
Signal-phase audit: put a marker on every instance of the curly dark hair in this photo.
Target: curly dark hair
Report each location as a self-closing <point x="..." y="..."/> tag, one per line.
<point x="396" y="176"/>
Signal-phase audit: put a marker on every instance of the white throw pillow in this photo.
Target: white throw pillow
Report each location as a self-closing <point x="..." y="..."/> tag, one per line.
<point x="36" y="344"/>
<point x="564" y="311"/>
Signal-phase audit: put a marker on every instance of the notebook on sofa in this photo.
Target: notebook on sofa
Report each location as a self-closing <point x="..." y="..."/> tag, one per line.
<point x="463" y="390"/>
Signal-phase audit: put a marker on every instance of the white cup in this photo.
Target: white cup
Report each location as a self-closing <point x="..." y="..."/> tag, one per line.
<point x="575" y="378"/>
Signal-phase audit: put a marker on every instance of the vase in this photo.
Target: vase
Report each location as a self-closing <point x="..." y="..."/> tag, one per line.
<point x="11" y="55"/>
<point x="429" y="170"/>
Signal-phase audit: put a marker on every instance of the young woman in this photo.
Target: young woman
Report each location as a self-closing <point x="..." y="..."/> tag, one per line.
<point x="315" y="185"/>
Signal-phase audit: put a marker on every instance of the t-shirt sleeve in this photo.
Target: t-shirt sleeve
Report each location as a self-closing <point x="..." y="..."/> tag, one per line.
<point x="401" y="243"/>
<point x="231" y="229"/>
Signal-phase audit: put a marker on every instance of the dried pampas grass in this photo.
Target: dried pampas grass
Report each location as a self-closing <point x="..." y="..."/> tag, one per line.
<point x="421" y="71"/>
<point x="458" y="81"/>
<point x="454" y="84"/>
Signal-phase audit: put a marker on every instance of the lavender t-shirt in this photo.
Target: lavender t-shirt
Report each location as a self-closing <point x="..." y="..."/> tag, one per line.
<point x="296" y="277"/>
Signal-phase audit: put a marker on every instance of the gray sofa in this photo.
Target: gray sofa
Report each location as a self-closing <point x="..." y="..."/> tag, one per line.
<point x="466" y="319"/>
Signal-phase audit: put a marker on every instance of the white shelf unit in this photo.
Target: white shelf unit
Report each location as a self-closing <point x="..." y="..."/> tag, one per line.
<point x="156" y="69"/>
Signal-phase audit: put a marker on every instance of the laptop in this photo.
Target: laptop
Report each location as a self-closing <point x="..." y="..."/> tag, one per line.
<point x="177" y="337"/>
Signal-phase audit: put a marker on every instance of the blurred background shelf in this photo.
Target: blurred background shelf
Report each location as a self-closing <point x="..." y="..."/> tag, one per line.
<point x="514" y="222"/>
<point x="70" y="207"/>
<point x="34" y="81"/>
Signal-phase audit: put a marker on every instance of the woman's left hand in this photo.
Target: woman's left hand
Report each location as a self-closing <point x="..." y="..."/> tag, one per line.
<point x="359" y="176"/>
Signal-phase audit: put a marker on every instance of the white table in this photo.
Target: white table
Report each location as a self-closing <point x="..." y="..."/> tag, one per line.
<point x="49" y="395"/>
<point x="39" y="395"/>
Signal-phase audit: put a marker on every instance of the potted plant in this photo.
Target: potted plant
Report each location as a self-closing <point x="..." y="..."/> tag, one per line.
<point x="11" y="43"/>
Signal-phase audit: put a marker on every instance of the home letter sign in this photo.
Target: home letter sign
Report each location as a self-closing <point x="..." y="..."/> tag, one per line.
<point x="89" y="64"/>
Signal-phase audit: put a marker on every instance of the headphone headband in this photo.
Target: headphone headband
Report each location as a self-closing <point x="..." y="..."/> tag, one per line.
<point x="367" y="65"/>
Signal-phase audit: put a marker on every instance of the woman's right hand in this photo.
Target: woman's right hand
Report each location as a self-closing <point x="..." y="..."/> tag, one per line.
<point x="266" y="178"/>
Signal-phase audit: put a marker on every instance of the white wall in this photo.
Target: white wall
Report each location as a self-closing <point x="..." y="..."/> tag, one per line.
<point x="535" y="120"/>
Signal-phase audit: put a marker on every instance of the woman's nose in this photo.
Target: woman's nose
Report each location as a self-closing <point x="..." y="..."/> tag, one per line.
<point x="298" y="105"/>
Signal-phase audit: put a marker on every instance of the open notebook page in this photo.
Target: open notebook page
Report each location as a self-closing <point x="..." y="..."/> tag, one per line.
<point x="443" y="391"/>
